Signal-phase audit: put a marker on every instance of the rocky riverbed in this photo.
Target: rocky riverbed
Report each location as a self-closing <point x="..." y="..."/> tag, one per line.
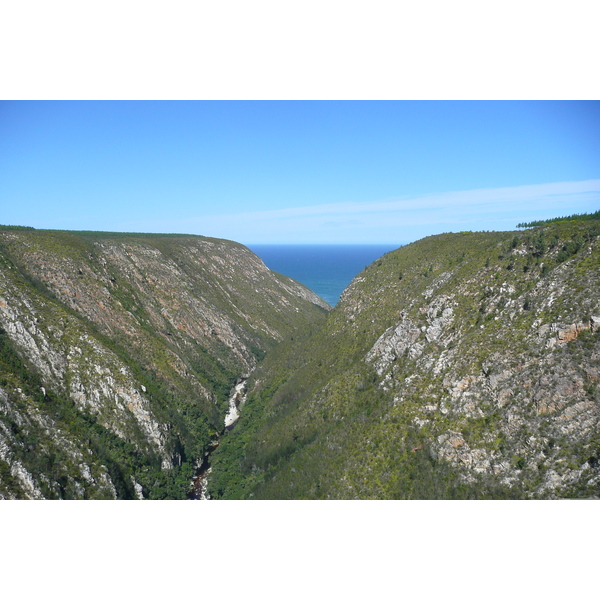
<point x="237" y="398"/>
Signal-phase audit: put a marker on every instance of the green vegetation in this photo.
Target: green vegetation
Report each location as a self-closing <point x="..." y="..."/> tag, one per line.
<point x="144" y="337"/>
<point x="595" y="216"/>
<point x="46" y="459"/>
<point x="460" y="366"/>
<point x="322" y="420"/>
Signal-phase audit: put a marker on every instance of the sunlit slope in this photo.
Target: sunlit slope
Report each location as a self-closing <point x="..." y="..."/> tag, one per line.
<point x="460" y="366"/>
<point x="119" y="351"/>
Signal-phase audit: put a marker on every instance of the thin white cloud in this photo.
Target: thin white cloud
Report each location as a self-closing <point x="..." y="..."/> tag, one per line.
<point x="401" y="219"/>
<point x="503" y="199"/>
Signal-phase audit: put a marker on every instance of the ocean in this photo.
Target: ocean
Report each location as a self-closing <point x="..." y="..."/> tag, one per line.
<point x="325" y="269"/>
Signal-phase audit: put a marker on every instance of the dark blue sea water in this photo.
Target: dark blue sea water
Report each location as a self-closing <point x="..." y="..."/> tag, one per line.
<point x="325" y="269"/>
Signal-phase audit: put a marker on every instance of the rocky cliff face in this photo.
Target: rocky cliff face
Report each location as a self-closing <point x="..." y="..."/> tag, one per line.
<point x="463" y="365"/>
<point x="118" y="353"/>
<point x="513" y="394"/>
<point x="460" y="366"/>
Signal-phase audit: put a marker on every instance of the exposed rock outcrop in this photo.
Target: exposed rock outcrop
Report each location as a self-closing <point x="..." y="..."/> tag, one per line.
<point x="462" y="365"/>
<point x="141" y="335"/>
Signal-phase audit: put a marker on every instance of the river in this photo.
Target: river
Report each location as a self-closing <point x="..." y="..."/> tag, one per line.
<point x="237" y="398"/>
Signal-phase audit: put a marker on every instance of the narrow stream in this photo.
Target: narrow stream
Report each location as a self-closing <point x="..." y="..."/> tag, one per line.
<point x="236" y="401"/>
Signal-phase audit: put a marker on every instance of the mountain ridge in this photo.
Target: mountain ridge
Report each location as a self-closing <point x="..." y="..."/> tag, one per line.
<point x="462" y="365"/>
<point x="136" y="341"/>
<point x="459" y="366"/>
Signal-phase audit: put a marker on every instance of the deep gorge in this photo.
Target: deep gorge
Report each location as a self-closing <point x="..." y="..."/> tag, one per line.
<point x="463" y="365"/>
<point x="236" y="401"/>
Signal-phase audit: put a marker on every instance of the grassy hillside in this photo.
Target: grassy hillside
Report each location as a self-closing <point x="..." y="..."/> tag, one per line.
<point x="118" y="352"/>
<point x="460" y="366"/>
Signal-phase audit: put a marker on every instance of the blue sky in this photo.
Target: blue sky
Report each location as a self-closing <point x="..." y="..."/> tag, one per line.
<point x="257" y="172"/>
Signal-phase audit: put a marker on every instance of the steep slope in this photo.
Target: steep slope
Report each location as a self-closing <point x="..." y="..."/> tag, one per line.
<point x="118" y="351"/>
<point x="460" y="366"/>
